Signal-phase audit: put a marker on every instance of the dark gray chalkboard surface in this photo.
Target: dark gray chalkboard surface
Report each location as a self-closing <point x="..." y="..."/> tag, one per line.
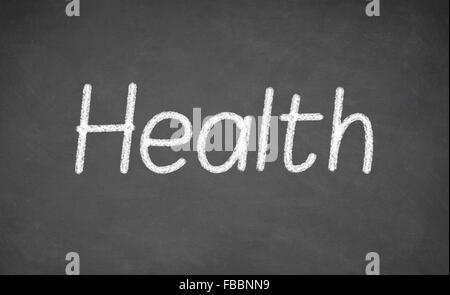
<point x="220" y="56"/>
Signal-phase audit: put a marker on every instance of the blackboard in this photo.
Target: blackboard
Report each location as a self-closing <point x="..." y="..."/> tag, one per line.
<point x="221" y="56"/>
